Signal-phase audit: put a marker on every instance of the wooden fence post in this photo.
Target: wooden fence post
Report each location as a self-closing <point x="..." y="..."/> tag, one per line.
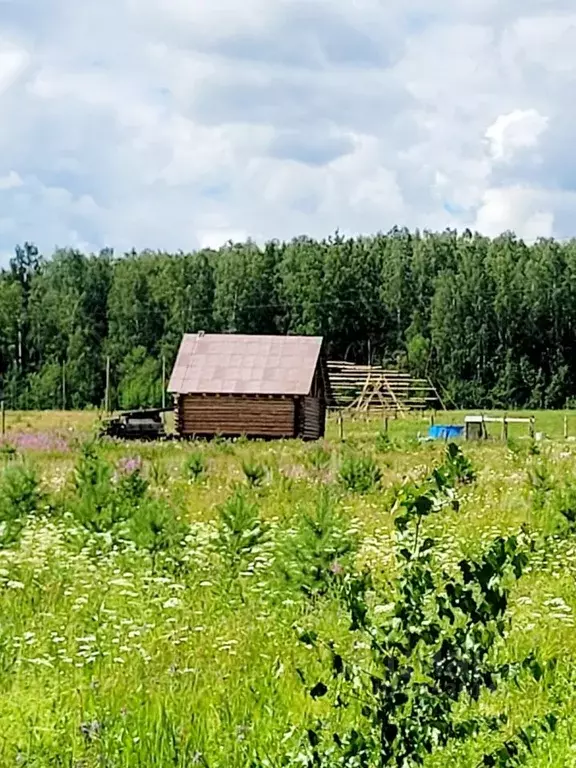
<point x="3" y="417"/>
<point x="532" y="427"/>
<point x="565" y="426"/>
<point x="341" y="426"/>
<point x="505" y="428"/>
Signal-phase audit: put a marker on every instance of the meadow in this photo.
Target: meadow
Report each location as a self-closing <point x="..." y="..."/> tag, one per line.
<point x="207" y="603"/>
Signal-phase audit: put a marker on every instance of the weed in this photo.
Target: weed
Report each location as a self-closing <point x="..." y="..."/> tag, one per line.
<point x="254" y="473"/>
<point x="195" y="466"/>
<point x="240" y="529"/>
<point x="158" y="474"/>
<point x="318" y="458"/>
<point x="540" y="482"/>
<point x="171" y="615"/>
<point x="155" y="526"/>
<point x="8" y="451"/>
<point x="383" y="442"/>
<point x="131" y="486"/>
<point x="359" y="474"/>
<point x="104" y="501"/>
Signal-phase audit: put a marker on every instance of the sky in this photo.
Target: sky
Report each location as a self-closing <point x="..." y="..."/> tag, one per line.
<point x="181" y="124"/>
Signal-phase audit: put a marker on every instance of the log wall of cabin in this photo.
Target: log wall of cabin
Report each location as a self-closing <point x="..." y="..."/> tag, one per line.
<point x="313" y="418"/>
<point x="235" y="415"/>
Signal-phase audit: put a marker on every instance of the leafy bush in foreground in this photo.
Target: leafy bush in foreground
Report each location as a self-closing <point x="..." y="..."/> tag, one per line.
<point x="20" y="496"/>
<point x="433" y="649"/>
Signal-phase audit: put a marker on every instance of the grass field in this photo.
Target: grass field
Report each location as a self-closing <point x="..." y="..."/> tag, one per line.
<point x="152" y="595"/>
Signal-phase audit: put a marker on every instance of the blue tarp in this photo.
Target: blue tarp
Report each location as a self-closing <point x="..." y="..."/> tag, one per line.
<point x="445" y="431"/>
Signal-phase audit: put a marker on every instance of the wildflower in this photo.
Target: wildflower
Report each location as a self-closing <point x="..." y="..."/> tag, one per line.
<point x="128" y="466"/>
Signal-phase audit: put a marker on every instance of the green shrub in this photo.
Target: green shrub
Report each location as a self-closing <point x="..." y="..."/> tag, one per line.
<point x="564" y="502"/>
<point x="540" y="482"/>
<point x="318" y="458"/>
<point x="457" y="467"/>
<point x="383" y="442"/>
<point x="195" y="466"/>
<point x="422" y="653"/>
<point x="322" y="549"/>
<point x="131" y="486"/>
<point x="104" y="501"/>
<point x="158" y="473"/>
<point x="156" y="527"/>
<point x="240" y="529"/>
<point x="91" y="471"/>
<point x="254" y="473"/>
<point x="21" y="490"/>
<point x="20" y="496"/>
<point x="360" y="474"/>
<point x="223" y="445"/>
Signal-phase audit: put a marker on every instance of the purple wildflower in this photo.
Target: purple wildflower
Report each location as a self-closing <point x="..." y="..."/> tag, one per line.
<point x="36" y="441"/>
<point x="129" y="465"/>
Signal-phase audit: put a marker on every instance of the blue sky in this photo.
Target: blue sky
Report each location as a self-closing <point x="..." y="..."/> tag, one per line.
<point x="183" y="123"/>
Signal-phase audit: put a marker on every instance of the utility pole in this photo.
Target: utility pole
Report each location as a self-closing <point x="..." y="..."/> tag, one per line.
<point x="63" y="385"/>
<point x="233" y="329"/>
<point x="20" y="346"/>
<point x="107" y="395"/>
<point x="163" y="381"/>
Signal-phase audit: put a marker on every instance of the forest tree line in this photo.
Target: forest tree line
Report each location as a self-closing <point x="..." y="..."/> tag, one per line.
<point x="491" y="321"/>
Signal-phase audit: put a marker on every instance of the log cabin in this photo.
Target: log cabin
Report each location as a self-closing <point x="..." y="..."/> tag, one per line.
<point x="246" y="385"/>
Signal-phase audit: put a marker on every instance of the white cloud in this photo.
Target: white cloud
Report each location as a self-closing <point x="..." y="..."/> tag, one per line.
<point x="13" y="60"/>
<point x="525" y="211"/>
<point x="520" y="129"/>
<point x="180" y="123"/>
<point x="219" y="237"/>
<point x="11" y="181"/>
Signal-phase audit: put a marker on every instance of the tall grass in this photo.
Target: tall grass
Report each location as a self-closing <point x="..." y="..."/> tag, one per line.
<point x="148" y="619"/>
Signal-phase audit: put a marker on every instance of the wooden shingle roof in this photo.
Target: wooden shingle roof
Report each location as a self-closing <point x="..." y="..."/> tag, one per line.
<point x="245" y="364"/>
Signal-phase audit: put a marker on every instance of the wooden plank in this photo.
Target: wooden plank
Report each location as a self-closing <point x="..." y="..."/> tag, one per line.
<point x="236" y="415"/>
<point x="370" y="387"/>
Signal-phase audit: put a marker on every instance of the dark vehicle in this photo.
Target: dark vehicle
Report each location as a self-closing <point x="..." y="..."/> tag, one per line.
<point x="136" y="425"/>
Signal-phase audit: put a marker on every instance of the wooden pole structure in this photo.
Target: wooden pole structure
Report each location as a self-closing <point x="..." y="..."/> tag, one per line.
<point x="532" y="427"/>
<point x="3" y="417"/>
<point x="107" y="396"/>
<point x="505" y="428"/>
<point x="163" y="381"/>
<point x="565" y="426"/>
<point x="63" y="385"/>
<point x="386" y="423"/>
